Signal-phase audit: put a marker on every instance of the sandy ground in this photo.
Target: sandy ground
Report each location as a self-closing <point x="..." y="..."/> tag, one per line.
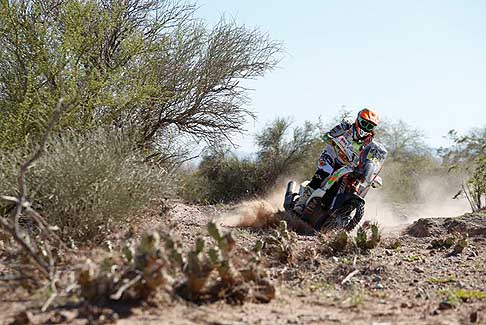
<point x="404" y="285"/>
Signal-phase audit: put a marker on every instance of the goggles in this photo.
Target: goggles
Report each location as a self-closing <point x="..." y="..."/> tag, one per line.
<point x="366" y="125"/>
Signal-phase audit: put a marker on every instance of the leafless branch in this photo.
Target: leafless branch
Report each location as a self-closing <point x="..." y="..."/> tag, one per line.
<point x="46" y="267"/>
<point x="349" y="276"/>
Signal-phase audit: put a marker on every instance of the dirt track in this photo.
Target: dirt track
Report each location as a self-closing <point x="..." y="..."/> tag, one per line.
<point x="405" y="285"/>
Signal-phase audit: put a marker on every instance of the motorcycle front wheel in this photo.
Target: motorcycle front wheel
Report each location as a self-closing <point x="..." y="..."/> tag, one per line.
<point x="352" y="208"/>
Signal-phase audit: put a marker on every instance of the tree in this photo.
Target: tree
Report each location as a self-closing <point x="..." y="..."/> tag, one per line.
<point x="466" y="148"/>
<point x="144" y="65"/>
<point x="477" y="185"/>
<point x="79" y="48"/>
<point x="401" y="140"/>
<point x="280" y="154"/>
<point x="200" y="91"/>
<point x="468" y="157"/>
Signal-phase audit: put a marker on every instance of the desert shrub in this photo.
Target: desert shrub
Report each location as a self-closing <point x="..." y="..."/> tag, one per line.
<point x="283" y="149"/>
<point x="467" y="159"/>
<point x="477" y="184"/>
<point x="85" y="185"/>
<point x="221" y="177"/>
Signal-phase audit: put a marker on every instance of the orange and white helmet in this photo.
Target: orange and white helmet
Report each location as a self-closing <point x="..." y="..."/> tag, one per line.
<point x="365" y="123"/>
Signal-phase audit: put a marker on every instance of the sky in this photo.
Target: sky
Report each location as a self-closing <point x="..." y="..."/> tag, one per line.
<point x="420" y="61"/>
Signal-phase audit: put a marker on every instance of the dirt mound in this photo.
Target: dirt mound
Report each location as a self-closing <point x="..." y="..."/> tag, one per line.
<point x="473" y="224"/>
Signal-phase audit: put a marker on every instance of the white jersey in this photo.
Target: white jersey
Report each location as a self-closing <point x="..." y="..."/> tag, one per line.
<point x="329" y="160"/>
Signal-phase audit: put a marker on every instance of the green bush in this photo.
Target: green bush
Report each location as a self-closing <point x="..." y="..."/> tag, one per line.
<point x="86" y="185"/>
<point x="222" y="177"/>
<point x="477" y="184"/>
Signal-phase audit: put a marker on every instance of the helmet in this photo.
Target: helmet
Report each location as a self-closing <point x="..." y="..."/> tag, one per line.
<point x="365" y="123"/>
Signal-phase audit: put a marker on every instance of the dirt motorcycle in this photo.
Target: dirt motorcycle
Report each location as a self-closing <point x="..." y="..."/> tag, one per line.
<point x="339" y="202"/>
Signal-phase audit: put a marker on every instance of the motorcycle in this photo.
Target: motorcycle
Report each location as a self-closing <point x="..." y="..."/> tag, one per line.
<point x="339" y="202"/>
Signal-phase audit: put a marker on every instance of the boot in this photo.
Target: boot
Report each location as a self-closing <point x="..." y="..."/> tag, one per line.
<point x="300" y="204"/>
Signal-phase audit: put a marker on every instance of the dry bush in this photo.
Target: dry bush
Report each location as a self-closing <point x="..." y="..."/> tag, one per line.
<point x="85" y="185"/>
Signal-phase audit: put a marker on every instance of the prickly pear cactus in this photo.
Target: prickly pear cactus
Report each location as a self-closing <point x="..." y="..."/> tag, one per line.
<point x="143" y="270"/>
<point x="136" y="274"/>
<point x="281" y="243"/>
<point x="95" y="286"/>
<point x="365" y="241"/>
<point x="340" y="242"/>
<point x="221" y="254"/>
<point x="461" y="244"/>
<point x="174" y="252"/>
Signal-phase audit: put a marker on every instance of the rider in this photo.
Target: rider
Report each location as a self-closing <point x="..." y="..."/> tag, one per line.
<point x="360" y="133"/>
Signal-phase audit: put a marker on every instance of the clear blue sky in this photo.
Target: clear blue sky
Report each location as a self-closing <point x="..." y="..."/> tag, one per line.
<point x="420" y="61"/>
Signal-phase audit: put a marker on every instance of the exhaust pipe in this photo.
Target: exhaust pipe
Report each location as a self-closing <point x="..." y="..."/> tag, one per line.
<point x="290" y="187"/>
<point x="289" y="196"/>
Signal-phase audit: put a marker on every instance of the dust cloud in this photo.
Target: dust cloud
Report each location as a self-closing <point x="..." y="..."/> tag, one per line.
<point x="435" y="200"/>
<point x="258" y="213"/>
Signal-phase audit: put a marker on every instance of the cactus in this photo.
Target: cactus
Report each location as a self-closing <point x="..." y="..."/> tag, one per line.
<point x="257" y="250"/>
<point x="254" y="271"/>
<point x="365" y="242"/>
<point x="129" y="251"/>
<point x="174" y="252"/>
<point x="221" y="255"/>
<point x="461" y="244"/>
<point x="141" y="270"/>
<point x="94" y="286"/>
<point x="361" y="237"/>
<point x="375" y="234"/>
<point x="340" y="242"/>
<point x="281" y="243"/>
<point x="197" y="269"/>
